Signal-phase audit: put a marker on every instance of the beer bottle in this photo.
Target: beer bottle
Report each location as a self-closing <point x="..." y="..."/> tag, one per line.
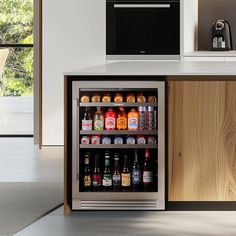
<point x="107" y="178"/>
<point x="136" y="173"/>
<point x="147" y="172"/>
<point x="116" y="174"/>
<point x="97" y="176"/>
<point x="126" y="175"/>
<point x="87" y="173"/>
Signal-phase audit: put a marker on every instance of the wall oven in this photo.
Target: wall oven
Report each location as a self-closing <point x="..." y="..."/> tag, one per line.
<point x="139" y="29"/>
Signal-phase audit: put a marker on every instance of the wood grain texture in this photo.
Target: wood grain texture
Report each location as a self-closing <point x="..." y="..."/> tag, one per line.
<point x="202" y="141"/>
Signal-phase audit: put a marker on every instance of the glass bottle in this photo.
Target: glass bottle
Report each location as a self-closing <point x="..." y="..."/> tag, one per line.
<point x="121" y="119"/>
<point x="142" y="118"/>
<point x="87" y="173"/>
<point x="151" y="118"/>
<point x="97" y="176"/>
<point x="107" y="178"/>
<point x="116" y="178"/>
<point x="110" y="119"/>
<point x="136" y="173"/>
<point x="98" y="120"/>
<point x="147" y="172"/>
<point x="126" y="175"/>
<point x="87" y="122"/>
<point x="133" y="119"/>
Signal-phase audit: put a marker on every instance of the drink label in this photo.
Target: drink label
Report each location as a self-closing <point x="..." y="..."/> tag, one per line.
<point x="150" y="120"/>
<point x="106" y="181"/>
<point x="142" y="121"/>
<point x="110" y="123"/>
<point x="136" y="177"/>
<point x="97" y="180"/>
<point x="87" y="181"/>
<point x="133" y="123"/>
<point x="116" y="180"/>
<point x="121" y="123"/>
<point x="147" y="177"/>
<point x="126" y="180"/>
<point x="87" y="124"/>
<point x="98" y="124"/>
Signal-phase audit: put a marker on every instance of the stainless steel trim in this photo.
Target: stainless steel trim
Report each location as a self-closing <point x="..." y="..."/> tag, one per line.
<point x="141" y="5"/>
<point x="143" y="57"/>
<point x="78" y="204"/>
<point x="131" y="197"/>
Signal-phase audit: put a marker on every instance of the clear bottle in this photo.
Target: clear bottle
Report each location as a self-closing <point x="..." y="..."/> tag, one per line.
<point x="142" y="118"/>
<point x="107" y="177"/>
<point x="126" y="174"/>
<point x="133" y="119"/>
<point x="98" y="120"/>
<point x="97" y="175"/>
<point x="147" y="172"/>
<point x="151" y="118"/>
<point x="121" y="119"/>
<point x="110" y="119"/>
<point x="87" y="173"/>
<point x="87" y="122"/>
<point x="136" y="173"/>
<point x="116" y="177"/>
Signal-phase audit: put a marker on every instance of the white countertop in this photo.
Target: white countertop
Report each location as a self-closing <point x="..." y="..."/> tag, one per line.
<point x="164" y="68"/>
<point x="211" y="54"/>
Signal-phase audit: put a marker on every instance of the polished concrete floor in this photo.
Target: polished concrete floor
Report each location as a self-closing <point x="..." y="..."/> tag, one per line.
<point x="22" y="161"/>
<point x="16" y="115"/>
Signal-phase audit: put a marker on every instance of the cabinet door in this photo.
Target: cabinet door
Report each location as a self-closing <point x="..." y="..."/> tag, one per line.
<point x="202" y="141"/>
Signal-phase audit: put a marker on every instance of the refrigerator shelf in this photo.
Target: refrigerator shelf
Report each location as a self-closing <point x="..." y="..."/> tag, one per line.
<point x="119" y="132"/>
<point x="118" y="146"/>
<point x="112" y="104"/>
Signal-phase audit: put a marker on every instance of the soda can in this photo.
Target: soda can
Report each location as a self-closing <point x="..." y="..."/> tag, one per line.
<point x="96" y="139"/>
<point x="130" y="140"/>
<point x="151" y="140"/>
<point x="141" y="140"/>
<point x="118" y="140"/>
<point x="85" y="140"/>
<point x="106" y="140"/>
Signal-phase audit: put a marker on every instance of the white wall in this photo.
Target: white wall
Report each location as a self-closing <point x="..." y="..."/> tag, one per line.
<point x="73" y="38"/>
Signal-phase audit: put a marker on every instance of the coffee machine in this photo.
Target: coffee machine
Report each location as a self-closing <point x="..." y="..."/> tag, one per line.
<point x="221" y="38"/>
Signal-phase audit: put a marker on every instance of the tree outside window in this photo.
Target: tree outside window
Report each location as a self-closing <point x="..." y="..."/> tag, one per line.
<point x="16" y="34"/>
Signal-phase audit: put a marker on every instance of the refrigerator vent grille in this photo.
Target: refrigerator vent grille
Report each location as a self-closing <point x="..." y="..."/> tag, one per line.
<point x="119" y="205"/>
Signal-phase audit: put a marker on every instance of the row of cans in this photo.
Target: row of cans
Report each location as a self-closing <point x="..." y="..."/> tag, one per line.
<point x="97" y="139"/>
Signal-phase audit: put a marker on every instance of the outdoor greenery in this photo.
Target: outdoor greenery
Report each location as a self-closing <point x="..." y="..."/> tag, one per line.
<point x="16" y="26"/>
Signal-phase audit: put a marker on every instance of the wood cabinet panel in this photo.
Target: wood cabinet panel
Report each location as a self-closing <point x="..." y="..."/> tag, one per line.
<point x="202" y="141"/>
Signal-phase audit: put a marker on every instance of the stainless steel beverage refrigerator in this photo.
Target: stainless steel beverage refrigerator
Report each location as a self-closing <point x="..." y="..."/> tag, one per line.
<point x="118" y="145"/>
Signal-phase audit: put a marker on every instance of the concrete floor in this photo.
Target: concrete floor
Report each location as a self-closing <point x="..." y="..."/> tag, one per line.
<point x="22" y="161"/>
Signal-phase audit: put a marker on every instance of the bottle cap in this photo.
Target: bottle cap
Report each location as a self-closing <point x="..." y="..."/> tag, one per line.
<point x="150" y="108"/>
<point x="142" y="109"/>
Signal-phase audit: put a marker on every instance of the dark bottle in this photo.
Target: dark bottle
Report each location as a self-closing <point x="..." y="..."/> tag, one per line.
<point x="87" y="173"/>
<point x="116" y="174"/>
<point x="87" y="122"/>
<point x="136" y="173"/>
<point x="147" y="172"/>
<point x="107" y="177"/>
<point x="126" y="175"/>
<point x="97" y="175"/>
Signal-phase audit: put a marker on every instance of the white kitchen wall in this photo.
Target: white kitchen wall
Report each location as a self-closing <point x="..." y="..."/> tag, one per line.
<point x="73" y="38"/>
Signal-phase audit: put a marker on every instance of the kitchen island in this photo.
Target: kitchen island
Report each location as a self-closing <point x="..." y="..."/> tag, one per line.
<point x="200" y="128"/>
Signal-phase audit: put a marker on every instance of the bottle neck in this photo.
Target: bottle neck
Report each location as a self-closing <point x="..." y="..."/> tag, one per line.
<point x="126" y="163"/>
<point x="107" y="162"/>
<point x="116" y="164"/>
<point x="136" y="157"/>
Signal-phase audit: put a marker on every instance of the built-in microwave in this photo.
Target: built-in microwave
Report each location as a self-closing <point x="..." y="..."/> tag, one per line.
<point x="139" y="29"/>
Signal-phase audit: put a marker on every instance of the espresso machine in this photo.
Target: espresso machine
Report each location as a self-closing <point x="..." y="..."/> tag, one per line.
<point x="221" y="38"/>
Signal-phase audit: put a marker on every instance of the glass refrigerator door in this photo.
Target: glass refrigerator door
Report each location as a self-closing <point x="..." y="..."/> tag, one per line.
<point x="118" y="134"/>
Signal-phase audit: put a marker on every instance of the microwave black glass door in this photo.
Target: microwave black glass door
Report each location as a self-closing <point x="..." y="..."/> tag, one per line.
<point x="151" y="28"/>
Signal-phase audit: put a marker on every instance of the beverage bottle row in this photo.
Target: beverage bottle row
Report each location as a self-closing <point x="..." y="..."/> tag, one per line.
<point x="125" y="179"/>
<point x="142" y="119"/>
